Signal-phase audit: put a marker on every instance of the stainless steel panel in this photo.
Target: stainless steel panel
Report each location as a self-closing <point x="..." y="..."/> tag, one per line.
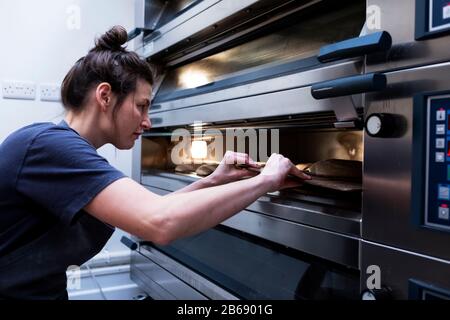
<point x="318" y="242"/>
<point x="286" y="103"/>
<point x="136" y="161"/>
<point x="186" y="16"/>
<point x="388" y="166"/>
<point x="398" y="267"/>
<point x="194" y="280"/>
<point x="166" y="11"/>
<point x="153" y="289"/>
<point x="398" y="18"/>
<point x="200" y="17"/>
<point x="158" y="282"/>
<point x="293" y="81"/>
<point x="210" y="47"/>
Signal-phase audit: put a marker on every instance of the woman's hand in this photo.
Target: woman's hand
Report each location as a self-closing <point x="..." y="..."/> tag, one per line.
<point x="228" y="172"/>
<point x="280" y="173"/>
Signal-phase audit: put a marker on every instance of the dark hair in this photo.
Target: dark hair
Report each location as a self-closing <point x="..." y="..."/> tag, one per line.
<point x="107" y="62"/>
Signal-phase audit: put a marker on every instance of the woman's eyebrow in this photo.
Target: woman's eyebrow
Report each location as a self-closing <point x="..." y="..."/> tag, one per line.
<point x="145" y="101"/>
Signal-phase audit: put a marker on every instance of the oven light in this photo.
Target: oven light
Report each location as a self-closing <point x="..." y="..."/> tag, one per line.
<point x="194" y="78"/>
<point x="199" y="149"/>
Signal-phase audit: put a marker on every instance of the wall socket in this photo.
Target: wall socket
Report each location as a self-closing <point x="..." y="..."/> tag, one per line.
<point x="19" y="90"/>
<point x="50" y="92"/>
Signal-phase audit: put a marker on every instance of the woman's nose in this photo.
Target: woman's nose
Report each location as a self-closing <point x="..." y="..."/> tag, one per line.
<point x="146" y="123"/>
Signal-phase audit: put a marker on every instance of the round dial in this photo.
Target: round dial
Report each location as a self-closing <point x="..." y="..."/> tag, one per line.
<point x="374" y="125"/>
<point x="381" y="125"/>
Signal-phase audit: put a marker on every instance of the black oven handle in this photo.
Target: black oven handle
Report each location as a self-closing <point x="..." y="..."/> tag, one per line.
<point x="349" y="85"/>
<point x="355" y="47"/>
<point x="133" y="245"/>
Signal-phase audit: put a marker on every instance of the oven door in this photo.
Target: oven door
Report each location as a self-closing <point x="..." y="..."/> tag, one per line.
<point x="172" y="22"/>
<point x="268" y="75"/>
<point x="390" y="273"/>
<point x="183" y="29"/>
<point x="223" y="263"/>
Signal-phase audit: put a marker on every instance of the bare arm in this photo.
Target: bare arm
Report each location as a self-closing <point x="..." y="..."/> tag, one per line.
<point x="202" y="183"/>
<point x="131" y="207"/>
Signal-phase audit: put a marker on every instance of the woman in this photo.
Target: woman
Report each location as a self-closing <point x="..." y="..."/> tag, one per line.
<point x="59" y="199"/>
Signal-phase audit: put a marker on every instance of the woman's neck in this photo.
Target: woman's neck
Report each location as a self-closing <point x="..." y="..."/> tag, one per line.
<point x="88" y="126"/>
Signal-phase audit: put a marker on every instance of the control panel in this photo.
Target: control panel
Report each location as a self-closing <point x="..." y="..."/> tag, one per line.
<point x="437" y="190"/>
<point x="439" y="15"/>
<point x="432" y="18"/>
<point x="419" y="290"/>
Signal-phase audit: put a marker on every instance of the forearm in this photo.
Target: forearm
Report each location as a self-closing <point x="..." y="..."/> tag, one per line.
<point x="189" y="213"/>
<point x="197" y="185"/>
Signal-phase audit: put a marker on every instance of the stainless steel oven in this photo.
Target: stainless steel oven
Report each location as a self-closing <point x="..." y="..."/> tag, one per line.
<point x="321" y="82"/>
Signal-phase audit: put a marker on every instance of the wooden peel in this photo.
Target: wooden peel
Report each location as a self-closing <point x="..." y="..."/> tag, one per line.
<point x="333" y="183"/>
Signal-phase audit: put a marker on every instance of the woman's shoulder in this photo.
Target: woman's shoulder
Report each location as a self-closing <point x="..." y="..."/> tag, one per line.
<point x="46" y="139"/>
<point x="42" y="131"/>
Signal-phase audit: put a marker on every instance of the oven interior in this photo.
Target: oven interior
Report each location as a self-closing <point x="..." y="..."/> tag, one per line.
<point x="306" y="143"/>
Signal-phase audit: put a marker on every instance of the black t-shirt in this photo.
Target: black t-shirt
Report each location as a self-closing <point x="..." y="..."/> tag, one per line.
<point x="48" y="174"/>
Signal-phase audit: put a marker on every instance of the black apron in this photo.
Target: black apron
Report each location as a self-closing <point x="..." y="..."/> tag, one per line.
<point x="37" y="270"/>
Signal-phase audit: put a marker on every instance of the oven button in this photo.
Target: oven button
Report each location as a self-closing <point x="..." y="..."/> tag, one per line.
<point x="380" y="125"/>
<point x="440" y="115"/>
<point x="440" y="157"/>
<point x="443" y="212"/>
<point x="440" y="129"/>
<point x="440" y="143"/>
<point x="443" y="192"/>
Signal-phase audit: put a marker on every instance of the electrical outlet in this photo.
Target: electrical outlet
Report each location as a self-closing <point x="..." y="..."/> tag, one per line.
<point x="19" y="90"/>
<point x="50" y="92"/>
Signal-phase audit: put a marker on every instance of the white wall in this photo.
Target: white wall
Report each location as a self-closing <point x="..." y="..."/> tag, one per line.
<point x="40" y="41"/>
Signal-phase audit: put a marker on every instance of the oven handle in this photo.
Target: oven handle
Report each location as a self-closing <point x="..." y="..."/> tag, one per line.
<point x="349" y="85"/>
<point x="133" y="245"/>
<point x="359" y="46"/>
<point x="129" y="243"/>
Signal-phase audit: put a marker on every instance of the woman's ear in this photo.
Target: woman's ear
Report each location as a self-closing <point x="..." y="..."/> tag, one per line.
<point x="103" y="96"/>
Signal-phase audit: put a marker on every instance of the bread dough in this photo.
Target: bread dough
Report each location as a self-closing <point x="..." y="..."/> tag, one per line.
<point x="303" y="166"/>
<point x="206" y="169"/>
<point x="185" y="168"/>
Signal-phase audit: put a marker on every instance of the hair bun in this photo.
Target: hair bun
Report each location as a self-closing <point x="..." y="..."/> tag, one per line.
<point x="112" y="40"/>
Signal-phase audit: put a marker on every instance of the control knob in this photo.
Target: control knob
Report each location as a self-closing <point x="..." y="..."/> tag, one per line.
<point x="381" y="125"/>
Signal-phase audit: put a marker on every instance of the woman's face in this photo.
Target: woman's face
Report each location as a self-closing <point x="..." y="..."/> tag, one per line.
<point x="132" y="117"/>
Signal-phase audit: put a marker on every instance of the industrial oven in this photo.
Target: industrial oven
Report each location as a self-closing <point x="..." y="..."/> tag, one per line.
<point x="363" y="84"/>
